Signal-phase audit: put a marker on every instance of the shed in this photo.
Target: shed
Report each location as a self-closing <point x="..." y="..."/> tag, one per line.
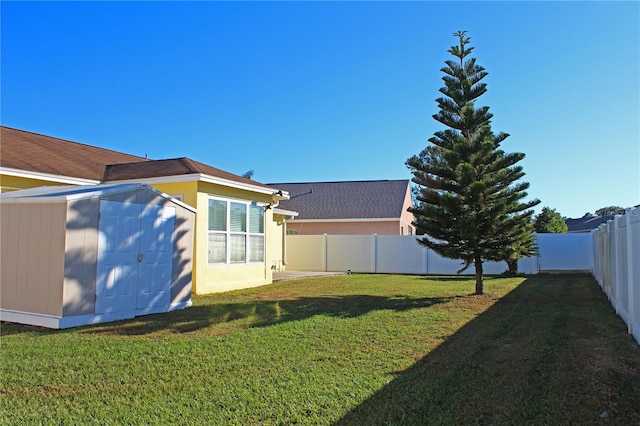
<point x="76" y="255"/>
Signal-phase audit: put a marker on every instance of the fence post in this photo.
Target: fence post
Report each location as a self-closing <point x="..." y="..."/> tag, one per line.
<point x="326" y="253"/>
<point x="630" y="266"/>
<point x="426" y="259"/>
<point x="616" y="264"/>
<point x="375" y="253"/>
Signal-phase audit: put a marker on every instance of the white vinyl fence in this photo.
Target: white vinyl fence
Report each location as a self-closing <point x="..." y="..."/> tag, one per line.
<point x="617" y="266"/>
<point x="611" y="253"/>
<point x="403" y="255"/>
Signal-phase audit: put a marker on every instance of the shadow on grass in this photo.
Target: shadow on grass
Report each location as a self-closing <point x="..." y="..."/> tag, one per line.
<point x="549" y="352"/>
<point x="260" y="313"/>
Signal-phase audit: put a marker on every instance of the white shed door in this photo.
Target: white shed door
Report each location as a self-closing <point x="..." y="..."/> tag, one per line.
<point x="156" y="256"/>
<point x="135" y="250"/>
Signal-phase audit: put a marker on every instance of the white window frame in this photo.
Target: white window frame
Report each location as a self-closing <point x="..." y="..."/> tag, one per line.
<point x="228" y="233"/>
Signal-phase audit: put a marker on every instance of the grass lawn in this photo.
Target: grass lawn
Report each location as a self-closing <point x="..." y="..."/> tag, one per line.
<point x="345" y="350"/>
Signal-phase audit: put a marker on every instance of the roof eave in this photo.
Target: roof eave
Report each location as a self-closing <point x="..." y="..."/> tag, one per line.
<point x="201" y="177"/>
<point x="350" y="220"/>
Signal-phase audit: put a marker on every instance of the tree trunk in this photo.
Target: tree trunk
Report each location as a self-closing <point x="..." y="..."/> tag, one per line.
<point x="479" y="278"/>
<point x="513" y="267"/>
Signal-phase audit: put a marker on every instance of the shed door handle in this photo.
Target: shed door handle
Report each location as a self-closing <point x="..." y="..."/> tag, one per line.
<point x="140" y="257"/>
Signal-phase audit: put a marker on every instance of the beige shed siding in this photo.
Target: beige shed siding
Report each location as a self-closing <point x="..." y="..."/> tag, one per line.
<point x="181" y="280"/>
<point x="81" y="257"/>
<point x="32" y="257"/>
<point x="9" y="255"/>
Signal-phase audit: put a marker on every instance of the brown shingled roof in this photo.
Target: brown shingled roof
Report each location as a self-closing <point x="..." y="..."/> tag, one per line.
<point x="169" y="167"/>
<point x="33" y="152"/>
<point x="372" y="199"/>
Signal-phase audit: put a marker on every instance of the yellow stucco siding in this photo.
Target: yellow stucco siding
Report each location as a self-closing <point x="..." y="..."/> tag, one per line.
<point x="14" y="183"/>
<point x="207" y="278"/>
<point x="277" y="242"/>
<point x="188" y="191"/>
<point x="218" y="278"/>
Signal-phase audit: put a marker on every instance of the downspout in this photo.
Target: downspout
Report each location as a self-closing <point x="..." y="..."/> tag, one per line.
<point x="284" y="242"/>
<point x="284" y="237"/>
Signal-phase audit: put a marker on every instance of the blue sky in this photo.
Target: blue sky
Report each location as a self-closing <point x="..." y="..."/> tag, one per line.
<point x="327" y="91"/>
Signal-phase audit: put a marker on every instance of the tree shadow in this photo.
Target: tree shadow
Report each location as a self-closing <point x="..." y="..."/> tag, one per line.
<point x="540" y="355"/>
<point x="261" y="313"/>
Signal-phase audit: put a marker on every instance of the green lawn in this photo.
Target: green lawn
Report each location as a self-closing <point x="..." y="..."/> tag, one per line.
<point x="346" y="350"/>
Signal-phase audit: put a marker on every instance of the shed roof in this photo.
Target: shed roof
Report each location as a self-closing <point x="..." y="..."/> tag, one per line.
<point x="374" y="199"/>
<point x="53" y="194"/>
<point x="34" y="152"/>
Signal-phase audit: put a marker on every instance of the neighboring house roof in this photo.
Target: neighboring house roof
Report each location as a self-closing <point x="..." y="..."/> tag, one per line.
<point x="32" y="152"/>
<point x="586" y="224"/>
<point x="179" y="167"/>
<point x="375" y="199"/>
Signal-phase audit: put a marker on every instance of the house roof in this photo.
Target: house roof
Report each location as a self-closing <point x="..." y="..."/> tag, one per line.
<point x="52" y="158"/>
<point x="374" y="199"/>
<point x="586" y="224"/>
<point x="33" y="152"/>
<point x="173" y="167"/>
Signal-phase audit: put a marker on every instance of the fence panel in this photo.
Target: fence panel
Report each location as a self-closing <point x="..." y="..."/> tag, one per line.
<point x="397" y="254"/>
<point x="565" y="252"/>
<point x="617" y="266"/>
<point x="306" y="253"/>
<point x="622" y="283"/>
<point x="633" y="261"/>
<point x="351" y="252"/>
<point x="403" y="255"/>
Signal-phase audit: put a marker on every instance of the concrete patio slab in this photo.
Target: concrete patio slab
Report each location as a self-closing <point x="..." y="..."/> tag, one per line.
<point x="295" y="275"/>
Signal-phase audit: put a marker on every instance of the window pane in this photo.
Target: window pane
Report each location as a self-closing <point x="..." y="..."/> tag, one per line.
<point x="217" y="215"/>
<point x="217" y="248"/>
<point x="256" y="219"/>
<point x="256" y="248"/>
<point x="238" y="219"/>
<point x="238" y="248"/>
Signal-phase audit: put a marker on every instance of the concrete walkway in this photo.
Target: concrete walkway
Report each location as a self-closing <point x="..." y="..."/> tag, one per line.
<point x="295" y="275"/>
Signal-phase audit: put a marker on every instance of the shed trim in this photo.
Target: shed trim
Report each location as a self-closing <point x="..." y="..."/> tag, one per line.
<point x="27" y="174"/>
<point x="63" y="194"/>
<point x="51" y="321"/>
<point x="40" y="320"/>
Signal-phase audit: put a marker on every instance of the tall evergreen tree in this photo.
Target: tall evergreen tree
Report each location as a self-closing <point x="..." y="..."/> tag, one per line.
<point x="470" y="201"/>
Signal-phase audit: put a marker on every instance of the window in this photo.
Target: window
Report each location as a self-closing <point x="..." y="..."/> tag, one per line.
<point x="410" y="230"/>
<point x="236" y="232"/>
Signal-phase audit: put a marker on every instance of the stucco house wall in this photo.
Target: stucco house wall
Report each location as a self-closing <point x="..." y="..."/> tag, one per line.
<point x="345" y="228"/>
